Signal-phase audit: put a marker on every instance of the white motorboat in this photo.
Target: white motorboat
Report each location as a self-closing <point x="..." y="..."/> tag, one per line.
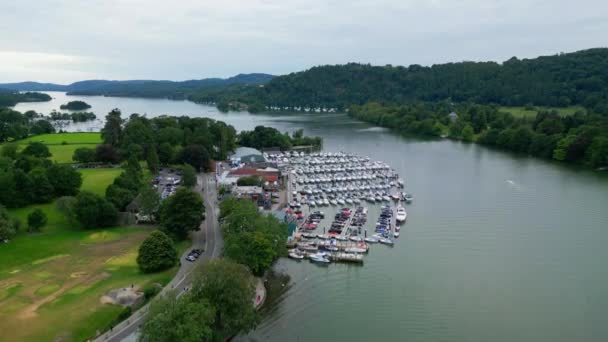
<point x="395" y="197"/>
<point x="386" y="241"/>
<point x="355" y="250"/>
<point x="341" y="201"/>
<point x="396" y="234"/>
<point x="371" y="240"/>
<point x="357" y="201"/>
<point x="378" y="198"/>
<point x="401" y="214"/>
<point x="386" y="198"/>
<point x="295" y="255"/>
<point x="325" y="201"/>
<point x="333" y="202"/>
<point x="355" y="238"/>
<point x="371" y="199"/>
<point x="312" y="203"/>
<point x="341" y="238"/>
<point x="400" y="183"/>
<point x="320" y="258"/>
<point x="323" y="236"/>
<point x="349" y="201"/>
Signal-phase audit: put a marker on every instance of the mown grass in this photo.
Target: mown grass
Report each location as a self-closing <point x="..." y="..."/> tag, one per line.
<point x="64" y="138"/>
<point x="523" y="112"/>
<point x="97" y="180"/>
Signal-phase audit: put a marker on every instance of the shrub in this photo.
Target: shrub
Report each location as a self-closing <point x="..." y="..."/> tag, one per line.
<point x="156" y="253"/>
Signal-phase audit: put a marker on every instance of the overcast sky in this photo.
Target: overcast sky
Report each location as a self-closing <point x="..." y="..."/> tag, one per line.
<point x="65" y="41"/>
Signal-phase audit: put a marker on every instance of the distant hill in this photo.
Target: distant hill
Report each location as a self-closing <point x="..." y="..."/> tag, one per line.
<point x="578" y="78"/>
<point x="140" y="88"/>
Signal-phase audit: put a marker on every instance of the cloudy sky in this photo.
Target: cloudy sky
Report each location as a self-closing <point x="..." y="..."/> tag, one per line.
<point x="64" y="41"/>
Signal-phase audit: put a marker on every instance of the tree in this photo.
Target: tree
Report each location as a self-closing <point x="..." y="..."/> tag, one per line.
<point x="37" y="149"/>
<point x="229" y="288"/>
<point x="7" y="228"/>
<point x="165" y="153"/>
<point x="188" y="176"/>
<point x="111" y="131"/>
<point x="9" y="150"/>
<point x="94" y="211"/>
<point x="182" y="213"/>
<point x="36" y="220"/>
<point x="149" y="201"/>
<point x="156" y="253"/>
<point x="177" y="319"/>
<point x="467" y="133"/>
<point x="107" y="153"/>
<point x="152" y="160"/>
<point x="84" y="155"/>
<point x="75" y="105"/>
<point x="195" y="155"/>
<point x="42" y="127"/>
<point x="65" y="179"/>
<point x="597" y="153"/>
<point x="66" y="205"/>
<point x="249" y="181"/>
<point x="119" y="197"/>
<point x="41" y="188"/>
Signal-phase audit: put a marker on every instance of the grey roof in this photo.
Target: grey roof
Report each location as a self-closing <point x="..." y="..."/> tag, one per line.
<point x="245" y="151"/>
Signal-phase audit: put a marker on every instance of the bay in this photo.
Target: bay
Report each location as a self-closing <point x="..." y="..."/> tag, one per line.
<point x="497" y="247"/>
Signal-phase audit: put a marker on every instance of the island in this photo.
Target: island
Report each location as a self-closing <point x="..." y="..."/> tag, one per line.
<point x="75" y="105"/>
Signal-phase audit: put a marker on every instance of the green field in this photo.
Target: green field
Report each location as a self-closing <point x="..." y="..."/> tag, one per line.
<point x="64" y="138"/>
<point x="97" y="180"/>
<point x="51" y="283"/>
<point x="522" y="112"/>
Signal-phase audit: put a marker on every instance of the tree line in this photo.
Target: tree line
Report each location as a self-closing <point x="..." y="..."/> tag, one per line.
<point x="265" y="137"/>
<point x="578" y="138"/>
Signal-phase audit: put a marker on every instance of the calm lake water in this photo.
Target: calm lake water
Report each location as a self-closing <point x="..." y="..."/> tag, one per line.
<point x="497" y="247"/>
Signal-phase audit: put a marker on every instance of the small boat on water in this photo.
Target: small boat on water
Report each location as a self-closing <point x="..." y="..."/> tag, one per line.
<point x="308" y="235"/>
<point x="349" y="201"/>
<point x="308" y="248"/>
<point x="295" y="255"/>
<point x="395" y="197"/>
<point x="400" y="183"/>
<point x="386" y="198"/>
<point x="325" y="201"/>
<point x="320" y="258"/>
<point x="396" y="234"/>
<point x="355" y="250"/>
<point x="408" y="197"/>
<point x="371" y="240"/>
<point x="355" y="238"/>
<point x="401" y="214"/>
<point x="371" y="199"/>
<point x="356" y="201"/>
<point x="312" y="203"/>
<point x="333" y="202"/>
<point x="341" y="201"/>
<point x="386" y="241"/>
<point x="323" y="236"/>
<point x="341" y="238"/>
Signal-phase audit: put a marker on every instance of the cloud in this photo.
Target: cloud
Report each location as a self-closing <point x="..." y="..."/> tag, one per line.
<point x="193" y="39"/>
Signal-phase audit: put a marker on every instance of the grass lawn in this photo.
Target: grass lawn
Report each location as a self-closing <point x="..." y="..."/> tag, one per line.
<point x="51" y="283"/>
<point x="97" y="180"/>
<point x="522" y="112"/>
<point x="63" y="138"/>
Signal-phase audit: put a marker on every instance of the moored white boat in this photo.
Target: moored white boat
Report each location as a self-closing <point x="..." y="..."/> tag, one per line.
<point x="396" y="234"/>
<point x="295" y="255"/>
<point x="386" y="241"/>
<point x="371" y="240"/>
<point x="401" y="215"/>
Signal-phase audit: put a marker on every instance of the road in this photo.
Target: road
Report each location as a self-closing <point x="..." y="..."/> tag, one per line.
<point x="208" y="238"/>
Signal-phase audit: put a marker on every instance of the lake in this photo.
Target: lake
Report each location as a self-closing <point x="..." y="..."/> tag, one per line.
<point x="497" y="247"/>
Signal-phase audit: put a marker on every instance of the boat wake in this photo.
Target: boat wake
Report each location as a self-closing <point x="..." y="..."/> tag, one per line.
<point x="372" y="129"/>
<point x="514" y="185"/>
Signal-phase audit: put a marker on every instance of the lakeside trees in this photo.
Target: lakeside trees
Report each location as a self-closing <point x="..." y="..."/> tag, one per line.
<point x="251" y="238"/>
<point x="218" y="305"/>
<point x="263" y="137"/>
<point x="577" y="138"/>
<point x="9" y="98"/>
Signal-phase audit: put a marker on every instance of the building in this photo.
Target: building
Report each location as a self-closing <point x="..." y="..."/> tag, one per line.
<point x="243" y="155"/>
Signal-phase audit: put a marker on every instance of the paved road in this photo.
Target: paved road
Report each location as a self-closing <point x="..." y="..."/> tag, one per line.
<point x="208" y="238"/>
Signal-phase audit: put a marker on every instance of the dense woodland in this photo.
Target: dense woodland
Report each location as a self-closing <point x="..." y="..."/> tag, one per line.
<point x="266" y="137"/>
<point x="560" y="80"/>
<point x="578" y="138"/>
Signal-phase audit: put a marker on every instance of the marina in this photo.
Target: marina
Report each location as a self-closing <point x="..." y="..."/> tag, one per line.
<point x="345" y="185"/>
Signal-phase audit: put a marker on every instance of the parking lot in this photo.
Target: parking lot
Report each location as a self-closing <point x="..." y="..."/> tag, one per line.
<point x="167" y="182"/>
